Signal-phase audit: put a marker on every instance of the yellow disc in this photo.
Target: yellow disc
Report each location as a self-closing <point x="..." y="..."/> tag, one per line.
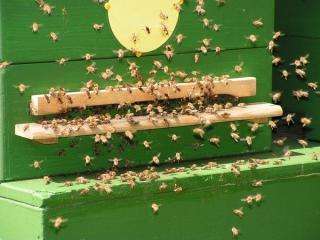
<point x="142" y="25"/>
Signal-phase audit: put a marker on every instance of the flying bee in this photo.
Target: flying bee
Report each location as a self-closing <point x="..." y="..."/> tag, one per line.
<point x="163" y="186"/>
<point x="215" y="141"/>
<point x="147" y="144"/>
<point x="206" y="22"/>
<point x="88" y="56"/>
<point x="239" y="212"/>
<point x="235" y="136"/>
<point x="235" y="232"/>
<point x="35" y="27"/>
<point x="120" y="53"/>
<point x="254" y="127"/>
<point x="285" y="74"/>
<point x="97" y="27"/>
<point x="155" y="208"/>
<point x="257" y="23"/>
<point x="174" y="137"/>
<point x="276" y="96"/>
<point x="305" y="121"/>
<point x="280" y="141"/>
<point x="22" y="88"/>
<point x="277" y="35"/>
<point x="115" y="162"/>
<point x="36" y="164"/>
<point x="88" y="160"/>
<point x="238" y="68"/>
<point x="303" y="143"/>
<point x="179" y="38"/>
<point x="276" y="61"/>
<point x="252" y="38"/>
<point x="199" y="132"/>
<point x="156" y="159"/>
<point x="313" y="85"/>
<point x="54" y="36"/>
<point x="58" y="222"/>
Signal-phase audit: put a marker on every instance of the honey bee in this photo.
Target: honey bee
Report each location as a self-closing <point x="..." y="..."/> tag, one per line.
<point x="277" y="35"/>
<point x="313" y="85"/>
<point x="305" y="121"/>
<point x="88" y="160"/>
<point x="62" y="61"/>
<point x="164" y="29"/>
<point x="47" y="179"/>
<point x="82" y="180"/>
<point x="239" y="212"/>
<point x="178" y="156"/>
<point x="254" y="127"/>
<point x="163" y="16"/>
<point x="147" y="144"/>
<point x="285" y="74"/>
<point x="120" y="53"/>
<point x="147" y="29"/>
<point x="199" y="132"/>
<point x="234" y="230"/>
<point x="36" y="164"/>
<point x="54" y="36"/>
<point x="314" y="156"/>
<point x="58" y="222"/>
<point x="174" y="137"/>
<point x="169" y="52"/>
<point x="216" y="27"/>
<point x="35" y="27"/>
<point x="289" y="118"/>
<point x="4" y="64"/>
<point x="300" y="94"/>
<point x="301" y="73"/>
<point x="303" y="143"/>
<point x="134" y="38"/>
<point x="257" y="183"/>
<point x="129" y="135"/>
<point x="221" y="3"/>
<point x="22" y="88"/>
<point x="304" y="59"/>
<point x="271" y="46"/>
<point x="280" y="141"/>
<point x="276" y="96"/>
<point x="155" y="159"/>
<point x="249" y="200"/>
<point x="108" y="189"/>
<point x="258" y="197"/>
<point x="163" y="186"/>
<point x="47" y="9"/>
<point x="199" y="10"/>
<point x="206" y="22"/>
<point x="155" y="208"/>
<point x="235" y="136"/>
<point x="68" y="183"/>
<point x="91" y="68"/>
<point x="196" y="57"/>
<point x="249" y="140"/>
<point x="84" y="191"/>
<point x="287" y="152"/>
<point x="88" y="56"/>
<point x="180" y="38"/>
<point x="276" y="61"/>
<point x="107" y="6"/>
<point x="177" y="188"/>
<point x="238" y="68"/>
<point x="97" y="27"/>
<point x="115" y="161"/>
<point x="252" y="38"/>
<point x="257" y="23"/>
<point x="233" y="127"/>
<point x="215" y="141"/>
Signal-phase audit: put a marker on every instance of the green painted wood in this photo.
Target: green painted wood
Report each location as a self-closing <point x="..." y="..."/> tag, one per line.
<point x="20" y="221"/>
<point x="202" y="210"/>
<point x="298" y="17"/>
<point x="77" y="37"/>
<point x="292" y="48"/>
<point x="40" y="77"/>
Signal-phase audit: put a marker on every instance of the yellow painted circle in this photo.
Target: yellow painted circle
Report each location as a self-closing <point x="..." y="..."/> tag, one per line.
<point x="142" y="25"/>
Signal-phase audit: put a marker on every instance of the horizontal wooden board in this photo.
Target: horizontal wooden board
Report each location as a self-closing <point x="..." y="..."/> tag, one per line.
<point x="298" y="17"/>
<point x="44" y="104"/>
<point x="292" y="48"/>
<point x="250" y="112"/>
<point x="61" y="158"/>
<point x="73" y="22"/>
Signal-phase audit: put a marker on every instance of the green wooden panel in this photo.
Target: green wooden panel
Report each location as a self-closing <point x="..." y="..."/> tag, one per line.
<point x="19" y="153"/>
<point x="292" y="48"/>
<point x="20" y="221"/>
<point x="77" y="37"/>
<point x="202" y="210"/>
<point x="298" y="17"/>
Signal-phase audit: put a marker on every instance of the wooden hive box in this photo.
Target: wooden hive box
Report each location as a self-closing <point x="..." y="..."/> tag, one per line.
<point x="52" y="57"/>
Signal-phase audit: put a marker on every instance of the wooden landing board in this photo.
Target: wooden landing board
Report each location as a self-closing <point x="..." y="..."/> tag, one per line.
<point x="35" y="131"/>
<point x="45" y="104"/>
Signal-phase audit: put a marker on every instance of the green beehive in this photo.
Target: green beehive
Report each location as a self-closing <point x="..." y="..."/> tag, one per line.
<point x="49" y="80"/>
